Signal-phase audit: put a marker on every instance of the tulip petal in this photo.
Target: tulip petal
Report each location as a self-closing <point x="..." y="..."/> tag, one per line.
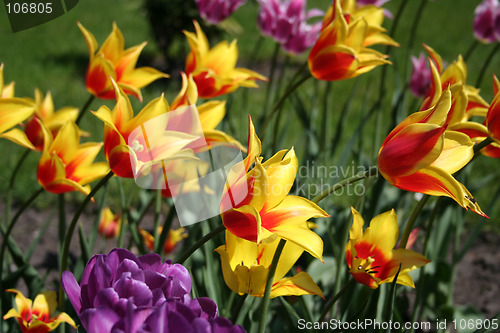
<point x="14" y="111"/>
<point x="435" y="181"/>
<point x="300" y="284"/>
<point x="411" y="149"/>
<point x="457" y="152"/>
<point x="89" y="39"/>
<point x="383" y="231"/>
<point x="18" y="137"/>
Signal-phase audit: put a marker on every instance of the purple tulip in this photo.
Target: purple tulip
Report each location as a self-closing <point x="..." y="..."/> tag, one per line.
<point x="421" y="75"/>
<point x="286" y="22"/>
<point x="214" y="11"/>
<point x="120" y="292"/>
<point x="487" y="21"/>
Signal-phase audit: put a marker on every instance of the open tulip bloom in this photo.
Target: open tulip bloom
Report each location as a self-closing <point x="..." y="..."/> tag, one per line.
<point x="371" y="256"/>
<point x="135" y="144"/>
<point x="37" y="316"/>
<point x="245" y="266"/>
<point x="342" y="49"/>
<point x="265" y="210"/>
<point x="113" y="61"/>
<point x="52" y="120"/>
<point x="213" y="69"/>
<point x="66" y="165"/>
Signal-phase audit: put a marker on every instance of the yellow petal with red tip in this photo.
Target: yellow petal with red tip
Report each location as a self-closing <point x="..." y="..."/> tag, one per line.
<point x="436" y="58"/>
<point x="435" y="181"/>
<point x="300" y="284"/>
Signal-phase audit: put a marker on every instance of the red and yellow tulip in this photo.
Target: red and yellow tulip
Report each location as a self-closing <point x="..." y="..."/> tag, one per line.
<point x="120" y="123"/>
<point x="175" y="236"/>
<point x="245" y="266"/>
<point x="66" y="165"/>
<point x="109" y="223"/>
<point x="421" y="154"/>
<point x="466" y="101"/>
<point x="44" y="113"/>
<point x="113" y="61"/>
<point x="36" y="317"/>
<point x="213" y="69"/>
<point x="210" y="115"/>
<point x="371" y="256"/>
<point x="342" y="49"/>
<point x="265" y="210"/>
<point x="493" y="115"/>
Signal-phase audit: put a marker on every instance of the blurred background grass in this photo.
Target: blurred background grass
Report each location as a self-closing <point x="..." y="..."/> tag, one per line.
<point x="53" y="57"/>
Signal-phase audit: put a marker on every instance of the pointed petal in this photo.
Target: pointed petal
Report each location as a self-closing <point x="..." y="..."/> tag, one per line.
<point x="383" y="231"/>
<point x="89" y="39"/>
<point x="435" y="181"/>
<point x="457" y="152"/>
<point x="300" y="284"/>
<point x="14" y="111"/>
<point x="18" y="137"/>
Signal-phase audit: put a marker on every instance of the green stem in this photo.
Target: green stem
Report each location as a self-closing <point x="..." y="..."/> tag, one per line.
<point x="269" y="285"/>
<point x="12" y="181"/>
<point x="481" y="145"/>
<point x="238" y="307"/>
<point x="471" y="49"/>
<point x="199" y="243"/>
<point x="7" y="233"/>
<point x="411" y="221"/>
<point x="372" y="171"/>
<point x="272" y="71"/>
<point x="156" y="242"/>
<point x="324" y="116"/>
<point x="167" y="225"/>
<point x="62" y="222"/>
<point x="279" y="104"/>
<point x="486" y="64"/>
<point x="419" y="299"/>
<point x="334" y="299"/>
<point x="84" y="108"/>
<point x="71" y="229"/>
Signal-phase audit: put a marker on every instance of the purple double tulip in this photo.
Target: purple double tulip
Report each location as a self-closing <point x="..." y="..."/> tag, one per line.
<point x="214" y="11"/>
<point x="487" y="21"/>
<point x="286" y="22"/>
<point x="122" y="293"/>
